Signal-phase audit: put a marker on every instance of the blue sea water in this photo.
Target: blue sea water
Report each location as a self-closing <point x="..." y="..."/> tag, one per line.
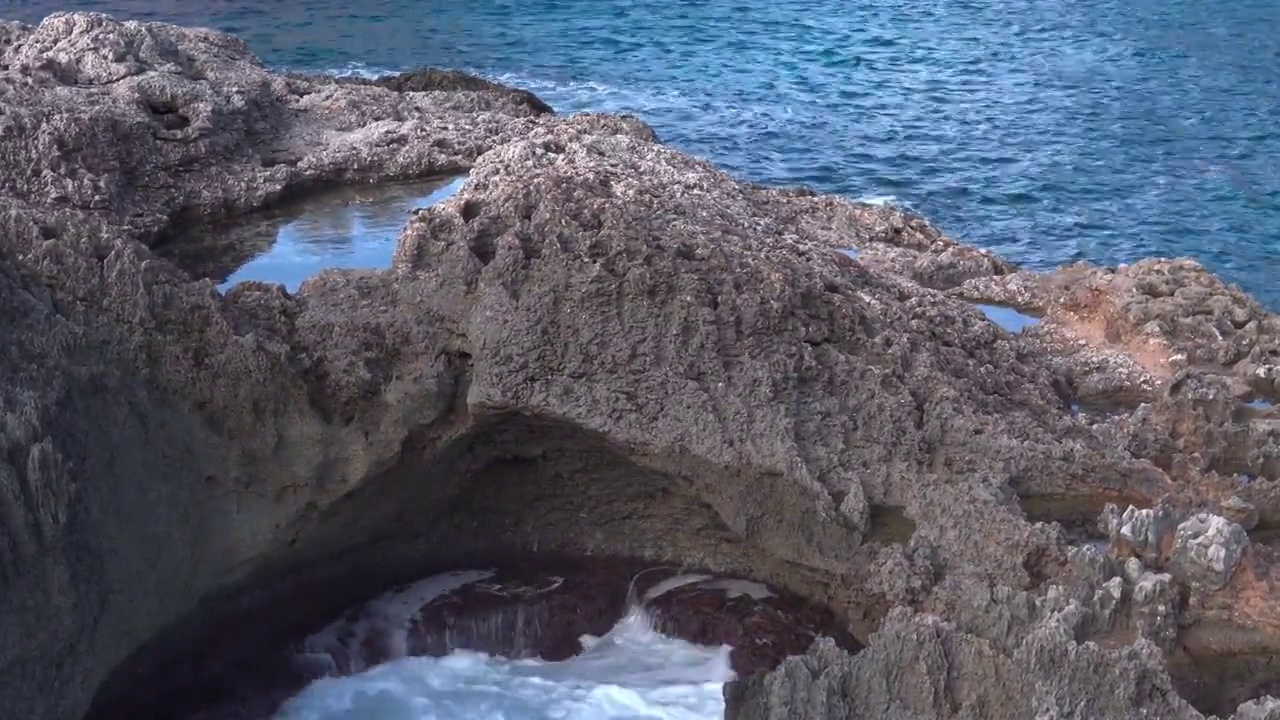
<point x="1049" y="131"/>
<point x="353" y="232"/>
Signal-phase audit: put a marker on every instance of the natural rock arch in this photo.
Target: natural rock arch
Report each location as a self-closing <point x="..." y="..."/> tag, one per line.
<point x="512" y="488"/>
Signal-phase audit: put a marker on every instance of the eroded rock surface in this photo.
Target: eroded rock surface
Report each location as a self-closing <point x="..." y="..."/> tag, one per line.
<point x="599" y="346"/>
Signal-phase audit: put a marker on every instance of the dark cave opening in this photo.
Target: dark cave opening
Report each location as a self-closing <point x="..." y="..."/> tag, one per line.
<point x="511" y="491"/>
<point x="1217" y="667"/>
<point x="1078" y="513"/>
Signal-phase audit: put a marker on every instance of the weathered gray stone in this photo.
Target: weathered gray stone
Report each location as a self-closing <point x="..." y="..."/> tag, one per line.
<point x="1156" y="601"/>
<point x="919" y="667"/>
<point x="1146" y="533"/>
<point x="1240" y="511"/>
<point x="1265" y="708"/>
<point x="1206" y="550"/>
<point x="598" y="346"/>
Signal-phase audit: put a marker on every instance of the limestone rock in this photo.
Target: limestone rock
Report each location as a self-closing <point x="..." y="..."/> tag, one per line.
<point x="1146" y="533"/>
<point x="1239" y="511"/>
<point x="599" y="346"/>
<point x="115" y="119"/>
<point x="1156" y="601"/>
<point x="1206" y="550"/>
<point x="433" y="80"/>
<point x="918" y="667"/>
<point x="1265" y="708"/>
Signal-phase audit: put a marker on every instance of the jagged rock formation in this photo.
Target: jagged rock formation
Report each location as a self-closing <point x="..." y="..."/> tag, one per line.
<point x="599" y="346"/>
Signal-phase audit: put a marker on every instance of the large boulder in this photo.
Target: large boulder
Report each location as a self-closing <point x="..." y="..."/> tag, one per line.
<point x="599" y="346"/>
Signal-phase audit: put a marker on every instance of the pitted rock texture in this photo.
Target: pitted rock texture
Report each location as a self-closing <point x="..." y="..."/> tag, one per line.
<point x="599" y="346"/>
<point x="137" y="126"/>
<point x="1172" y="363"/>
<point x="953" y="674"/>
<point x="1207" y="549"/>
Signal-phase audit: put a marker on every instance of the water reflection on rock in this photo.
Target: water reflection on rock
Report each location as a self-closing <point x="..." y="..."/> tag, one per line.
<point x="1008" y="318"/>
<point x="349" y="227"/>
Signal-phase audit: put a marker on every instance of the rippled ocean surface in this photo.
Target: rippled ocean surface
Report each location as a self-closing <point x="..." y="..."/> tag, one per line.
<point x="1049" y="131"/>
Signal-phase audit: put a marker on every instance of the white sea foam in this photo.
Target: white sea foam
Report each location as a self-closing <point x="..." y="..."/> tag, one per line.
<point x="384" y="621"/>
<point x="359" y="69"/>
<point x="575" y="96"/>
<point x="671" y="583"/>
<point x="732" y="587"/>
<point x="631" y="672"/>
<point x="879" y="200"/>
<point x="571" y="96"/>
<point x="566" y="95"/>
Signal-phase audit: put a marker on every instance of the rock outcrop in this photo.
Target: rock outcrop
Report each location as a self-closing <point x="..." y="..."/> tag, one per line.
<point x="599" y="346"/>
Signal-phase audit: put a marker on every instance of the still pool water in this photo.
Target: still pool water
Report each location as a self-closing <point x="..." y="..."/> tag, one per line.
<point x="348" y="228"/>
<point x="1007" y="318"/>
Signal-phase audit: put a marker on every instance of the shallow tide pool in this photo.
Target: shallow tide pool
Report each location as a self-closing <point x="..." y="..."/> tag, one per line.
<point x="349" y="227"/>
<point x="1008" y="318"/>
<point x="356" y="228"/>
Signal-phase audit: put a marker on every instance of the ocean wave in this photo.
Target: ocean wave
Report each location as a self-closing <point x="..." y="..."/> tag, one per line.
<point x="358" y="69"/>
<point x="891" y="200"/>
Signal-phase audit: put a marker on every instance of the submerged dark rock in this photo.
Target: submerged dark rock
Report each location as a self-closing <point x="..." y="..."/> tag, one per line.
<point x="534" y="607"/>
<point x="538" y="609"/>
<point x="436" y="80"/>
<point x="599" y="348"/>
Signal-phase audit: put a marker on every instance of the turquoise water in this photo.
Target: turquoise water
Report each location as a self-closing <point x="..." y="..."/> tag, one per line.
<point x="1048" y="131"/>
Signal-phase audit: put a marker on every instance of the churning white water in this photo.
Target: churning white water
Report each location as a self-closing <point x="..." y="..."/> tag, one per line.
<point x="631" y="672"/>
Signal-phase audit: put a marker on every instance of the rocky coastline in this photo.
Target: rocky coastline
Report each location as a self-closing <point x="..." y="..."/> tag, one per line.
<point x="598" y="348"/>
